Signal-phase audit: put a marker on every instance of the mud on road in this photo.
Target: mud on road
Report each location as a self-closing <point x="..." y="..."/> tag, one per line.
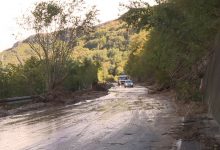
<point x="125" y="119"/>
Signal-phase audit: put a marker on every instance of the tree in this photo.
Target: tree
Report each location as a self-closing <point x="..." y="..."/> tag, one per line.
<point x="179" y="43"/>
<point x="57" y="25"/>
<point x="138" y="14"/>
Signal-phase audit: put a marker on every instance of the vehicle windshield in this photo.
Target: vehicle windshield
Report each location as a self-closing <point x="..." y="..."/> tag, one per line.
<point x="123" y="78"/>
<point x="128" y="81"/>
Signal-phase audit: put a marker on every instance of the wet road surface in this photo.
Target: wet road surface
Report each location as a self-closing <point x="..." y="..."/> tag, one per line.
<point x="125" y="119"/>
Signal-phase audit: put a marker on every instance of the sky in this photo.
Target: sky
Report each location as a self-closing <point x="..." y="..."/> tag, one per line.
<point x="11" y="10"/>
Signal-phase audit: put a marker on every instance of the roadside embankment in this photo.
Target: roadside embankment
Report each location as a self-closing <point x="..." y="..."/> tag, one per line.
<point x="59" y="98"/>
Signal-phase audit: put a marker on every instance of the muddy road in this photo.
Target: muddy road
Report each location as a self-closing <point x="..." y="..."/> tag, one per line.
<point x="125" y="119"/>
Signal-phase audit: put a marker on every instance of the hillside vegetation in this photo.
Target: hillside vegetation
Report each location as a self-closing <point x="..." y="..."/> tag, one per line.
<point x="174" y="44"/>
<point x="168" y="45"/>
<point x="98" y="57"/>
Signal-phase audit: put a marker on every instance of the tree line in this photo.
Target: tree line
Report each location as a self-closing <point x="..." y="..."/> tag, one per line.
<point x="174" y="43"/>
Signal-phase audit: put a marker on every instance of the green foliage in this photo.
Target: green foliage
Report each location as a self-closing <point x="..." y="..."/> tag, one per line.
<point x="29" y="79"/>
<point x="109" y="36"/>
<point x="97" y="57"/>
<point x="16" y="55"/>
<point x="110" y="62"/>
<point x="107" y="47"/>
<point x="57" y="25"/>
<point x="181" y="35"/>
<point x="35" y="77"/>
<point x="18" y="80"/>
<point x="135" y="66"/>
<point x="81" y="75"/>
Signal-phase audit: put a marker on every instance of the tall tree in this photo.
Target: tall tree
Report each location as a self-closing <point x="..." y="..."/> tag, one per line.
<point x="57" y="25"/>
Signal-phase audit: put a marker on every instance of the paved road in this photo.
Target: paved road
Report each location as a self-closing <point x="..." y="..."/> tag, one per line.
<point x="125" y="119"/>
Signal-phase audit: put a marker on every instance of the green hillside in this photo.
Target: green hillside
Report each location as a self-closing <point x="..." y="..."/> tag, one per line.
<point x="107" y="36"/>
<point x="20" y="52"/>
<point x="98" y="57"/>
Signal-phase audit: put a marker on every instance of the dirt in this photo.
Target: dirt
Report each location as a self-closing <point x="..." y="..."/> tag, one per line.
<point x="59" y="98"/>
<point x="198" y="129"/>
<point x="191" y="108"/>
<point x="123" y="119"/>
